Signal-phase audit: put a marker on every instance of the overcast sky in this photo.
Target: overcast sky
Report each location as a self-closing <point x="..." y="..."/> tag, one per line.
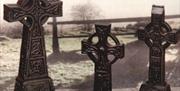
<point x="118" y="8"/>
<point x="127" y="8"/>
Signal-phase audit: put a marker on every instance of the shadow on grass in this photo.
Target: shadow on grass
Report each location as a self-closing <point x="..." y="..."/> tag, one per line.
<point x="66" y="57"/>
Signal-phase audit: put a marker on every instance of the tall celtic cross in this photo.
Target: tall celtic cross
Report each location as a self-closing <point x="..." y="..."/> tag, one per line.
<point x="158" y="36"/>
<point x="33" y="73"/>
<point x="103" y="54"/>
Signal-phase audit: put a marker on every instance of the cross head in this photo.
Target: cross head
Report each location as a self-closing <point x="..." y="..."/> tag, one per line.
<point x="32" y="12"/>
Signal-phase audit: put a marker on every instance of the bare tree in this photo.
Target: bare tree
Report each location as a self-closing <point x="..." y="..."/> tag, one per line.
<point x="87" y="11"/>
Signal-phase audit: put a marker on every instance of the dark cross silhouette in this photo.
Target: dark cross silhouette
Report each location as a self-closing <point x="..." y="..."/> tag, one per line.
<point x="33" y="73"/>
<point x="55" y="44"/>
<point x="103" y="54"/>
<point x="158" y="35"/>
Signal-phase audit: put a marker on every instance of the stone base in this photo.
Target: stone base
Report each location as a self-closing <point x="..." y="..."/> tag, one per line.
<point x="44" y="84"/>
<point x="150" y="87"/>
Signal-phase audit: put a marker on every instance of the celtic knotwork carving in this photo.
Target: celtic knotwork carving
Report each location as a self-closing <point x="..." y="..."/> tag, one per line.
<point x="36" y="48"/>
<point x="157" y="35"/>
<point x="99" y="53"/>
<point x="32" y="14"/>
<point x="37" y="67"/>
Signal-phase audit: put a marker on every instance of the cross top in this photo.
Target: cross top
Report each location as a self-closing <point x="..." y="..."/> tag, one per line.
<point x="102" y="48"/>
<point x="32" y="12"/>
<point x="102" y="31"/>
<point x="158" y="14"/>
<point x="158" y="32"/>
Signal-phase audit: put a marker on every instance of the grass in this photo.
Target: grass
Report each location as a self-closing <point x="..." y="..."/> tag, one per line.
<point x="69" y="69"/>
<point x="65" y="71"/>
<point x="69" y="74"/>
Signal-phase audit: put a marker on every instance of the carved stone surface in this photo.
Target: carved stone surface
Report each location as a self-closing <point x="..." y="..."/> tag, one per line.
<point x="103" y="54"/>
<point x="158" y="35"/>
<point x="33" y="74"/>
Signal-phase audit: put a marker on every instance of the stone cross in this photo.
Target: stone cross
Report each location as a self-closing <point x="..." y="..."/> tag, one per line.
<point x="33" y="73"/>
<point x="103" y="54"/>
<point x="157" y="35"/>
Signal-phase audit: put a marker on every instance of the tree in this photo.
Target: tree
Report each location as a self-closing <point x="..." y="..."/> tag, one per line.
<point x="87" y="11"/>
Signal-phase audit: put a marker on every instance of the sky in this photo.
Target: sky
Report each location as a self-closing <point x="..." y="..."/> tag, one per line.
<point x="116" y="8"/>
<point x="127" y="8"/>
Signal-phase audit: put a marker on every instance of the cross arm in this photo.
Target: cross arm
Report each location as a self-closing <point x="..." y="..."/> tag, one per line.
<point x="54" y="8"/>
<point x="13" y="12"/>
<point x="142" y="34"/>
<point x="89" y="49"/>
<point x="172" y="37"/>
<point x="117" y="51"/>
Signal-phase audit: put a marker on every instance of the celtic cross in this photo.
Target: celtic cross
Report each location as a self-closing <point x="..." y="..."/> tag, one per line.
<point x="33" y="73"/>
<point x="103" y="54"/>
<point x="158" y="36"/>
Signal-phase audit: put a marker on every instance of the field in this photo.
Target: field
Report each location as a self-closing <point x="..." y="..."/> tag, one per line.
<point x="71" y="69"/>
<point x="67" y="69"/>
